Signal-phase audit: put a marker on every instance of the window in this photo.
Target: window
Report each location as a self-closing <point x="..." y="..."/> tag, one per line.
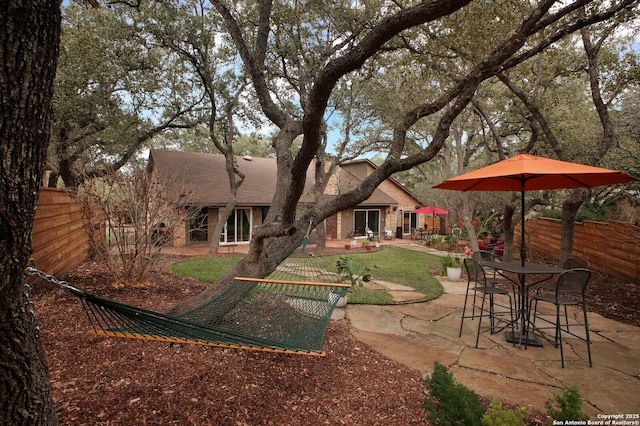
<point x="199" y="226"/>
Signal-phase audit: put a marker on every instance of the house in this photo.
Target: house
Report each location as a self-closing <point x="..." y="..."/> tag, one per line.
<point x="201" y="179"/>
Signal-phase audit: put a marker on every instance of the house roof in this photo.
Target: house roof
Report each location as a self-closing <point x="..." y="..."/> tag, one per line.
<point x="202" y="178"/>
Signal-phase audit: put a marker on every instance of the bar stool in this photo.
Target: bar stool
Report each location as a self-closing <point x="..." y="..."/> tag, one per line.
<point x="494" y="278"/>
<point x="569" y="290"/>
<point x="477" y="283"/>
<point x="570" y="263"/>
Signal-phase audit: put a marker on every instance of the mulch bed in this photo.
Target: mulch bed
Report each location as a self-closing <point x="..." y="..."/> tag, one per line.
<point x="105" y="381"/>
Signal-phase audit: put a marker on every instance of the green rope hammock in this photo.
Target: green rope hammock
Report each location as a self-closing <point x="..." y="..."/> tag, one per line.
<point x="267" y="315"/>
<point x="288" y="315"/>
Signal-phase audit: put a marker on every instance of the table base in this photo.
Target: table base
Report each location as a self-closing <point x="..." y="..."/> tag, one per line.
<point x="531" y="340"/>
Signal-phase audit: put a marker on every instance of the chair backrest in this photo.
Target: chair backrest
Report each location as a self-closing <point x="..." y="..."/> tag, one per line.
<point x="484" y="255"/>
<point x="573" y="281"/>
<point x="475" y="271"/>
<point x="576" y="262"/>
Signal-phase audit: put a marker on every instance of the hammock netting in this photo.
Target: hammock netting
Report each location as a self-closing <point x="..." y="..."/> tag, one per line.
<point x="287" y="312"/>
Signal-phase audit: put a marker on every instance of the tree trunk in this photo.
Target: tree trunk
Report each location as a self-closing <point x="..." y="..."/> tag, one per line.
<point x="29" y="55"/>
<point x="467" y="219"/>
<point x="569" y="210"/>
<point x="321" y="236"/>
<point x="509" y="228"/>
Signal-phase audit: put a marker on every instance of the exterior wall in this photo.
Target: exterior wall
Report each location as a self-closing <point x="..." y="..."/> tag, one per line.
<point x="345" y="223"/>
<point x="180" y="235"/>
<point x="359" y="169"/>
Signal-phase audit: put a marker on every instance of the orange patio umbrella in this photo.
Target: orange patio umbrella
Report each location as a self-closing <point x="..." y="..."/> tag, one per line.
<point x="525" y="172"/>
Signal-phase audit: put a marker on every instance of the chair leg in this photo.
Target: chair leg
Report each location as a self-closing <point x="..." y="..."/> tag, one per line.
<point x="464" y="309"/>
<point x="473" y="311"/>
<point x="533" y="307"/>
<point x="586" y="330"/>
<point x="513" y="328"/>
<point x="559" y="334"/>
<point x="484" y="296"/>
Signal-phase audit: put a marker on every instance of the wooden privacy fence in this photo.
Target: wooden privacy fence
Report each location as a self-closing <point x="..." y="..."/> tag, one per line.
<point x="60" y="241"/>
<point x="609" y="247"/>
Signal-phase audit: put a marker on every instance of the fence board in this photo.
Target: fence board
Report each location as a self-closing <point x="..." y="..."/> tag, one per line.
<point x="59" y="240"/>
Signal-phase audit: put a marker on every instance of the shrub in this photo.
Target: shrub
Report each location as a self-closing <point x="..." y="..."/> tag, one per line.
<point x="351" y="272"/>
<point x="499" y="417"/>
<point x="569" y="406"/>
<point x="450" y="403"/>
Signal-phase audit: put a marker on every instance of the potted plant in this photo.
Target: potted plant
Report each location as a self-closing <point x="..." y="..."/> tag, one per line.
<point x="451" y="267"/>
<point x="376" y="242"/>
<point x="351" y="274"/>
<point x="366" y="243"/>
<point x="351" y="235"/>
<point x="431" y="240"/>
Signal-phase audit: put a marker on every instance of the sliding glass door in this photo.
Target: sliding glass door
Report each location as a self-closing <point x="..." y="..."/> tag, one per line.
<point x="367" y="219"/>
<point x="410" y="221"/>
<point x="238" y="227"/>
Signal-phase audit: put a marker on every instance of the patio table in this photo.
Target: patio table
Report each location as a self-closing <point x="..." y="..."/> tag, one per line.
<point x="522" y="272"/>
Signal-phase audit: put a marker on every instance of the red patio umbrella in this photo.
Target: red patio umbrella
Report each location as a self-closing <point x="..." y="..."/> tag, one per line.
<point x="525" y="172"/>
<point x="433" y="211"/>
<point x="430" y="210"/>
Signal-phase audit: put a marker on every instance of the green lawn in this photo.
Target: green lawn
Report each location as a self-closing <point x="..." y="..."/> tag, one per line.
<point x="394" y="264"/>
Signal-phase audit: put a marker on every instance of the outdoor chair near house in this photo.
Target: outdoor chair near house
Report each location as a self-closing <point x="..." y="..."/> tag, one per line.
<point x="569" y="290"/>
<point x="500" y="315"/>
<point x="424" y="231"/>
<point x="414" y="234"/>
<point x="369" y="233"/>
<point x="388" y="234"/>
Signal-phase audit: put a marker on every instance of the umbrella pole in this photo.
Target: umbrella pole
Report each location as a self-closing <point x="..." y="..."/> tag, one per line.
<point x="523" y="249"/>
<point x="433" y="219"/>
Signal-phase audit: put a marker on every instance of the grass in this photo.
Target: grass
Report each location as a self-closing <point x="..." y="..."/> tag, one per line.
<point x="207" y="269"/>
<point x="394" y="264"/>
